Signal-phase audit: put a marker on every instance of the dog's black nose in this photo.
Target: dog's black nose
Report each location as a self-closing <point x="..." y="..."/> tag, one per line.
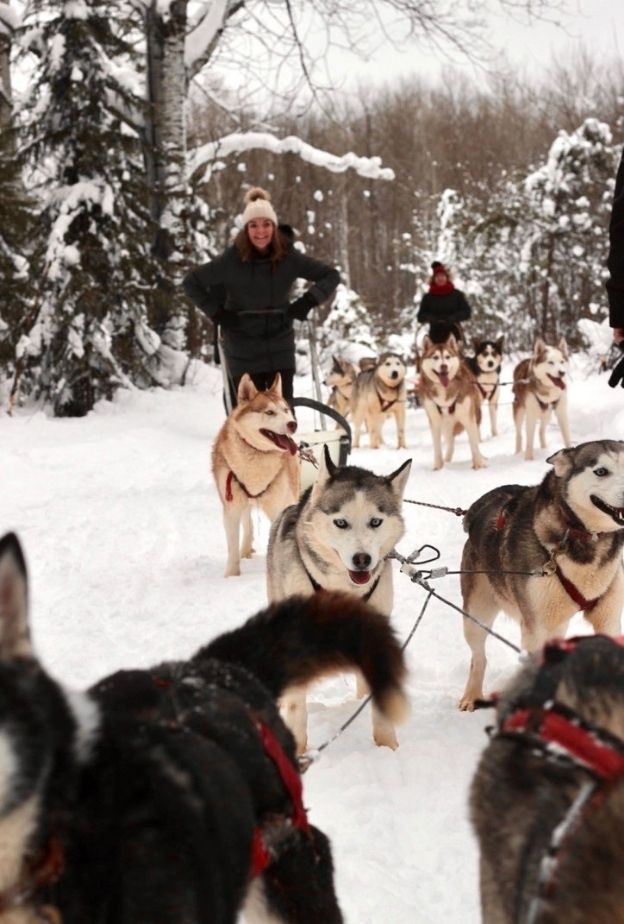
<point x="291" y="426"/>
<point x="362" y="561"/>
<point x="394" y="374"/>
<point x="490" y="363"/>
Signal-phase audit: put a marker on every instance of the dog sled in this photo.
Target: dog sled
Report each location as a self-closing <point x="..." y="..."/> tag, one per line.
<point x="312" y="442"/>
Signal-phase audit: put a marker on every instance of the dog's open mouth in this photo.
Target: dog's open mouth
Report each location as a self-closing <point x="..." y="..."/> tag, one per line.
<point x="444" y="378"/>
<point x="616" y="513"/>
<point x="360" y="577"/>
<point x="557" y="380"/>
<point x="281" y="440"/>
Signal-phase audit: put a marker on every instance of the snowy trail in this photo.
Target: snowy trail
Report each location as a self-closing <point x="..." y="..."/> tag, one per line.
<point x="122" y="530"/>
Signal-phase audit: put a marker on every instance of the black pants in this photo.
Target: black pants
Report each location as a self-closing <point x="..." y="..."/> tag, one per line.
<point x="264" y="380"/>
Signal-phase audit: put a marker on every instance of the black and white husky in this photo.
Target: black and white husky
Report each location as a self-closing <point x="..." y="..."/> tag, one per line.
<point x="338" y="538"/>
<point x="157" y="796"/>
<point x="485" y="365"/>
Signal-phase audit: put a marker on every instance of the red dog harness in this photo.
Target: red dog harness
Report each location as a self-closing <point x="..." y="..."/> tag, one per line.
<point x="262" y="853"/>
<point x="563" y="736"/>
<point x="571" y="532"/>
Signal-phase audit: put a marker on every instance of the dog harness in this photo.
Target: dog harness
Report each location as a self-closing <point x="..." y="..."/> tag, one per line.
<point x="450" y="408"/>
<point x="564" y="739"/>
<point x="43" y="872"/>
<point x="266" y="840"/>
<point x="484" y="394"/>
<point x="385" y="404"/>
<point x="551" y="566"/>
<point x="228" y="487"/>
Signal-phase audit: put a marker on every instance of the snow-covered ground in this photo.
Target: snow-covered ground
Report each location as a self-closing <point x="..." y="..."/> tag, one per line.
<point x="122" y="530"/>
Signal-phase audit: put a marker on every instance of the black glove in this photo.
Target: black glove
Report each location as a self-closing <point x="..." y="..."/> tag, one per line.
<point x="301" y="307"/>
<point x="226" y="319"/>
<point x="617" y="376"/>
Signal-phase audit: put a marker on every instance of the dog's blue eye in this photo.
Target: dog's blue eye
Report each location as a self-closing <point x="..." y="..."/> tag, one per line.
<point x="375" y="522"/>
<point x="341" y="524"/>
<point x="601" y="471"/>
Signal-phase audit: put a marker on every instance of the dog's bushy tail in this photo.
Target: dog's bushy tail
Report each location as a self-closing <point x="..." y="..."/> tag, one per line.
<point x="303" y="638"/>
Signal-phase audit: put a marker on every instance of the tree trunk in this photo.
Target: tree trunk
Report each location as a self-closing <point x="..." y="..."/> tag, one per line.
<point x="6" y="96"/>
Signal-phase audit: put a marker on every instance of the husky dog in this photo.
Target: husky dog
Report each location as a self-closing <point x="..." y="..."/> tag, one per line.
<point x="572" y="523"/>
<point x="337" y="538"/>
<point x="547" y="800"/>
<point x="539" y="388"/>
<point x="451" y="398"/>
<point x="158" y="794"/>
<point x="340" y="379"/>
<point x="379" y="393"/>
<point x="254" y="461"/>
<point x="485" y="366"/>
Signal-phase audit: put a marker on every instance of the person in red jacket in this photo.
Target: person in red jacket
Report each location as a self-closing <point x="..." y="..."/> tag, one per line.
<point x="443" y="306"/>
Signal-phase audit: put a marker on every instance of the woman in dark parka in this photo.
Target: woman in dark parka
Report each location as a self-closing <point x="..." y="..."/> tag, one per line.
<point x="443" y="306"/>
<point x="246" y="292"/>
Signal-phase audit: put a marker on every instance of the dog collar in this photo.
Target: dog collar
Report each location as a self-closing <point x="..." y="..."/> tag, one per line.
<point x="266" y="839"/>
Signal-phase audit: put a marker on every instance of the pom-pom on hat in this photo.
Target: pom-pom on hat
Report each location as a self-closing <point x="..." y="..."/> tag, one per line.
<point x="438" y="267"/>
<point x="258" y="205"/>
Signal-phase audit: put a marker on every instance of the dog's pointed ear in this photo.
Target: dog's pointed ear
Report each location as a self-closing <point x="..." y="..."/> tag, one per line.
<point x="451" y="342"/>
<point x="276" y="385"/>
<point x="325" y="471"/>
<point x="14" y="632"/>
<point x="563" y="347"/>
<point x="247" y="391"/>
<point x="538" y="347"/>
<point x="476" y="343"/>
<point x="427" y="343"/>
<point x="399" y="478"/>
<point x="500" y="343"/>
<point x="562" y="462"/>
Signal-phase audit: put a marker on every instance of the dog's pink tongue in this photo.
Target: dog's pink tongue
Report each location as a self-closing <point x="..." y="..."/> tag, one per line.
<point x="285" y="442"/>
<point x="444" y="379"/>
<point x="360" y="577"/>
<point x="558" y="382"/>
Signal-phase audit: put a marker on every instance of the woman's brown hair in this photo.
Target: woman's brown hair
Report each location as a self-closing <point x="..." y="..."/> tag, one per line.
<point x="277" y="247"/>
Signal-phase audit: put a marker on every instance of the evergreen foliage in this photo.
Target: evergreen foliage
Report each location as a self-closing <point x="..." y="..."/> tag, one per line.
<point x="93" y="269"/>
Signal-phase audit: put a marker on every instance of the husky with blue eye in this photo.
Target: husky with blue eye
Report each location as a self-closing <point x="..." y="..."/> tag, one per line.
<point x="338" y="538"/>
<point x="171" y="795"/>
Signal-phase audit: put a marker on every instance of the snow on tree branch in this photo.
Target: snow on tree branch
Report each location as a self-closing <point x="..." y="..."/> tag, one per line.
<point x="9" y="20"/>
<point x="204" y="157"/>
<point x="202" y="36"/>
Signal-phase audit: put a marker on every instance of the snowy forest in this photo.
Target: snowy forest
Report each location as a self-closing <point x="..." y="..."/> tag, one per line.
<point x="129" y="132"/>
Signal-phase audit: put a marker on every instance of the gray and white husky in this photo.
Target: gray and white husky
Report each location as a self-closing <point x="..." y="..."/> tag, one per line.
<point x="543" y="553"/>
<point x="338" y="538"/>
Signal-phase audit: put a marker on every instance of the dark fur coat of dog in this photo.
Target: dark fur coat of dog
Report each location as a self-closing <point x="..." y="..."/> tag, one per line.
<point x="540" y="860"/>
<point x="144" y="800"/>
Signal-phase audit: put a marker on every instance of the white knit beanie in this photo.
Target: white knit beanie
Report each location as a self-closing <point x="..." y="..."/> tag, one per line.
<point x="258" y="206"/>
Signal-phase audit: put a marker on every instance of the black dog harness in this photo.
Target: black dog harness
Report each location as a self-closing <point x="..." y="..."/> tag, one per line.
<point x="318" y="589"/>
<point x="564" y="738"/>
<point x="385" y="403"/>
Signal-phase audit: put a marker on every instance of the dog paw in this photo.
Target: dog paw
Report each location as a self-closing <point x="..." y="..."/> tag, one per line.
<point x="232" y="571"/>
<point x="466" y="704"/>
<point x="383" y="740"/>
<point x="479" y="463"/>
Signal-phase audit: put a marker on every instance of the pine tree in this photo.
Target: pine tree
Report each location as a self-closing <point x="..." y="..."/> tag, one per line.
<point x="90" y="334"/>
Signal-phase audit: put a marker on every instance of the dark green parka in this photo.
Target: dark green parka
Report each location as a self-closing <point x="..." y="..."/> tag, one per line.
<point x="258" y="292"/>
